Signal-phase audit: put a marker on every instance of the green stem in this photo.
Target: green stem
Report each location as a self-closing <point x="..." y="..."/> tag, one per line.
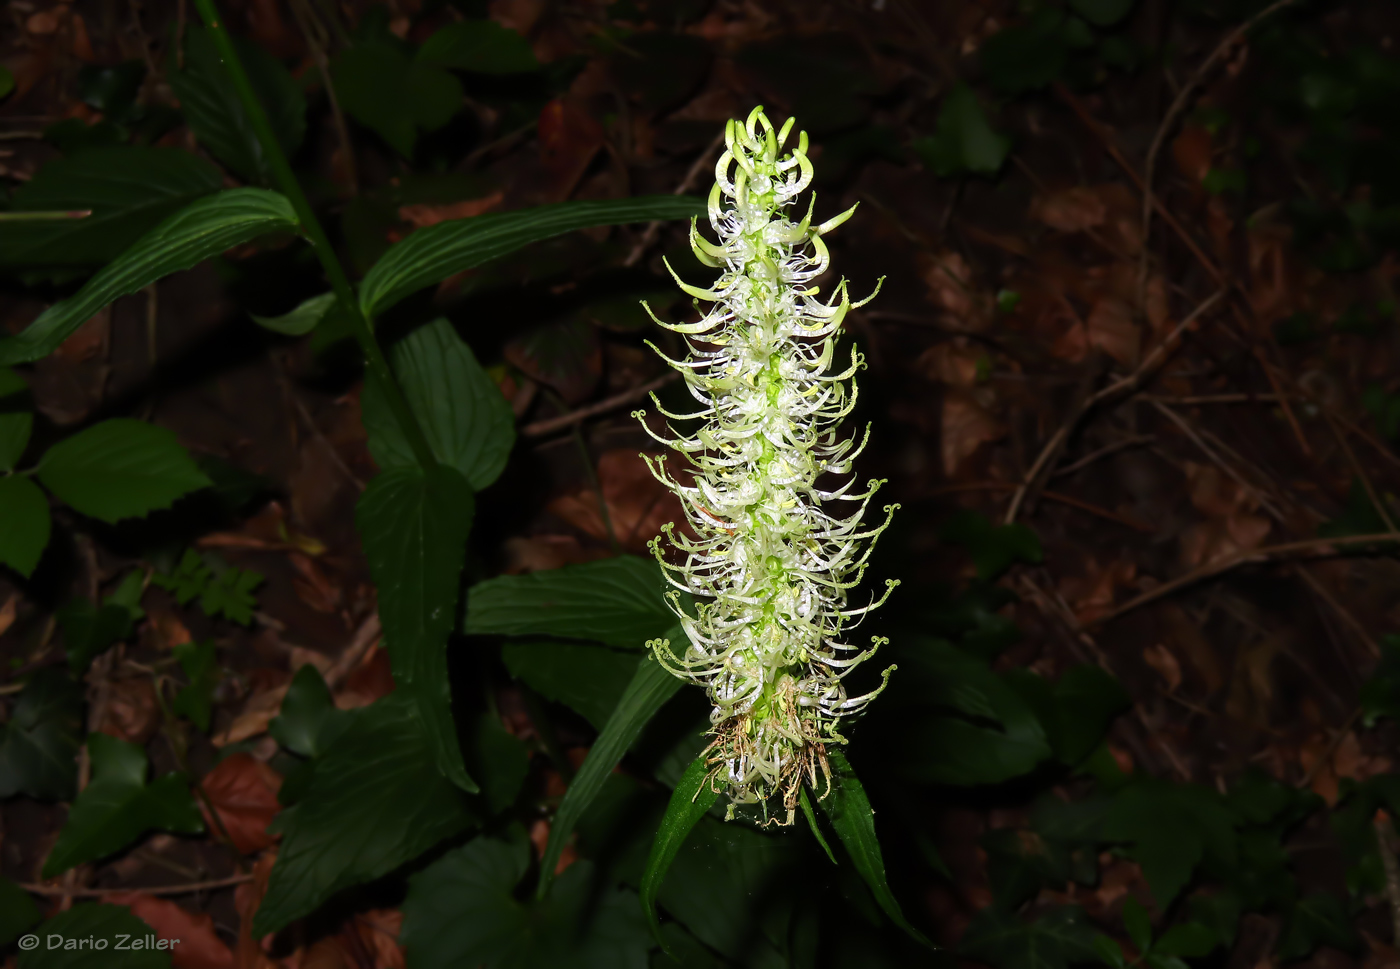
<point x="375" y="364"/>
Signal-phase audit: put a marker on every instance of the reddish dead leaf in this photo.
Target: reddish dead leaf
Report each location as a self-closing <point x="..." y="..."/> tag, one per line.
<point x="518" y="15"/>
<point x="326" y="953"/>
<point x="538" y="553"/>
<point x="421" y="216"/>
<point x="132" y="713"/>
<point x="196" y="944"/>
<point x="1220" y="227"/>
<point x="378" y="932"/>
<point x="539" y="837"/>
<point x="7" y="613"/>
<point x="1271" y="273"/>
<point x="1191" y="151"/>
<point x="1070" y="210"/>
<point x="638" y="504"/>
<point x="369" y="681"/>
<point x="165" y="629"/>
<point x="45" y="21"/>
<point x="246" y="899"/>
<point x="312" y="586"/>
<point x="966" y="426"/>
<point x="949" y="363"/>
<point x="243" y="791"/>
<point x="257" y="713"/>
<point x="80" y="44"/>
<point x="1378" y="954"/>
<point x="1093" y="595"/>
<point x="89" y="340"/>
<point x="950" y="285"/>
<point x="1164" y="662"/>
<point x="1213" y="493"/>
<point x="1110" y="328"/>
<point x="569" y="137"/>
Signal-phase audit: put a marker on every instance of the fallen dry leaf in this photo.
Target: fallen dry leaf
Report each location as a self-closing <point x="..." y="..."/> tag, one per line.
<point x="1110" y="328"/>
<point x="950" y="363"/>
<point x="7" y="613"/>
<point x="1165" y="663"/>
<point x="132" y="712"/>
<point x="638" y="505"/>
<point x="257" y="713"/>
<point x="243" y="792"/>
<point x="950" y="285"/>
<point x="378" y="932"/>
<point x="421" y="216"/>
<point x="165" y="629"/>
<point x="538" y="553"/>
<point x="1191" y="150"/>
<point x="1071" y="209"/>
<point x="246" y="899"/>
<point x="369" y="681"/>
<point x="966" y="426"/>
<point x="199" y="946"/>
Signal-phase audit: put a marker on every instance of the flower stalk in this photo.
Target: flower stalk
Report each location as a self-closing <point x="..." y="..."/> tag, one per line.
<point x="768" y="567"/>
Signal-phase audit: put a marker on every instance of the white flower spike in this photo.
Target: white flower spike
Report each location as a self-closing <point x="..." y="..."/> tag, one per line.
<point x="770" y="567"/>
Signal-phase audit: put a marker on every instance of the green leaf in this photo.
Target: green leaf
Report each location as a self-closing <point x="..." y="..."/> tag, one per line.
<point x="7" y="81"/>
<point x="430" y="255"/>
<point x="191" y="576"/>
<point x="1189" y="939"/>
<point x="393" y="95"/>
<point x="39" y="746"/>
<point x="120" y="468"/>
<point x="16" y="421"/>
<point x="308" y="722"/>
<point x="1109" y="951"/>
<point x="1380" y="694"/>
<point x="1137" y="923"/>
<point x="301" y="320"/>
<point x="615" y="601"/>
<point x="689" y="802"/>
<point x="810" y="814"/>
<point x="128" y="191"/>
<point x="230" y="594"/>
<point x="587" y="678"/>
<point x="374" y="801"/>
<point x="118" y="806"/>
<point x="215" y="113"/>
<point x="462" y="911"/>
<point x="94" y="921"/>
<point x="203" y="229"/>
<point x="24" y="524"/>
<point x="964" y="142"/>
<point x="480" y="46"/>
<point x="992" y="548"/>
<point x="1169" y="829"/>
<point x="88" y="630"/>
<point x="414" y="525"/>
<point x="1087" y="699"/>
<point x="648" y="692"/>
<point x="854" y="820"/>
<point x="1320" y="918"/>
<point x="1056" y="940"/>
<point x="17" y="911"/>
<point x="468" y="422"/>
<point x="500" y="759"/>
<point x="1219" y="913"/>
<point x="195" y="699"/>
<point x="1027" y="56"/>
<point x="1102" y="13"/>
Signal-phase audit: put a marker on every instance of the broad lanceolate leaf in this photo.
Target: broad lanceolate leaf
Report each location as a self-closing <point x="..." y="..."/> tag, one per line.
<point x="120" y="468"/>
<point x="689" y="802"/>
<point x="649" y="690"/>
<point x="431" y="255"/>
<point x="850" y="813"/>
<point x="17" y="911"/>
<point x="39" y="746"/>
<point x="309" y="721"/>
<point x="1169" y="828"/>
<point x="414" y="524"/>
<point x="301" y="320"/>
<point x="468" y="422"/>
<point x="16" y="419"/>
<point x="588" y="678"/>
<point x="200" y="230"/>
<point x="24" y="524"/>
<point x="480" y="46"/>
<point x="462" y="911"/>
<point x="374" y="801"/>
<point x="965" y="142"/>
<point x="128" y="191"/>
<point x="1056" y="940"/>
<point x="384" y="89"/>
<point x="615" y="601"/>
<point x="215" y="113"/>
<point x="91" y="920"/>
<point x="118" y="806"/>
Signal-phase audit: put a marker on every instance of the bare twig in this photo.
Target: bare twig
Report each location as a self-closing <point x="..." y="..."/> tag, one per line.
<point x="1103" y="452"/>
<point x="365" y="637"/>
<point x="687" y="183"/>
<point x="563" y="421"/>
<point x="185" y="889"/>
<point x="1178" y="105"/>
<point x="1228" y="562"/>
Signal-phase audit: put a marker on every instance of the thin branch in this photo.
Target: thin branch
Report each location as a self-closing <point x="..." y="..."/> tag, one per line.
<point x="563" y="421"/>
<point x="1326" y="546"/>
<point x="697" y="168"/>
<point x="185" y="889"/>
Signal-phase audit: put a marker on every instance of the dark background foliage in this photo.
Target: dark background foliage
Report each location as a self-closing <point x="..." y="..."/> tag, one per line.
<point x="1147" y="669"/>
